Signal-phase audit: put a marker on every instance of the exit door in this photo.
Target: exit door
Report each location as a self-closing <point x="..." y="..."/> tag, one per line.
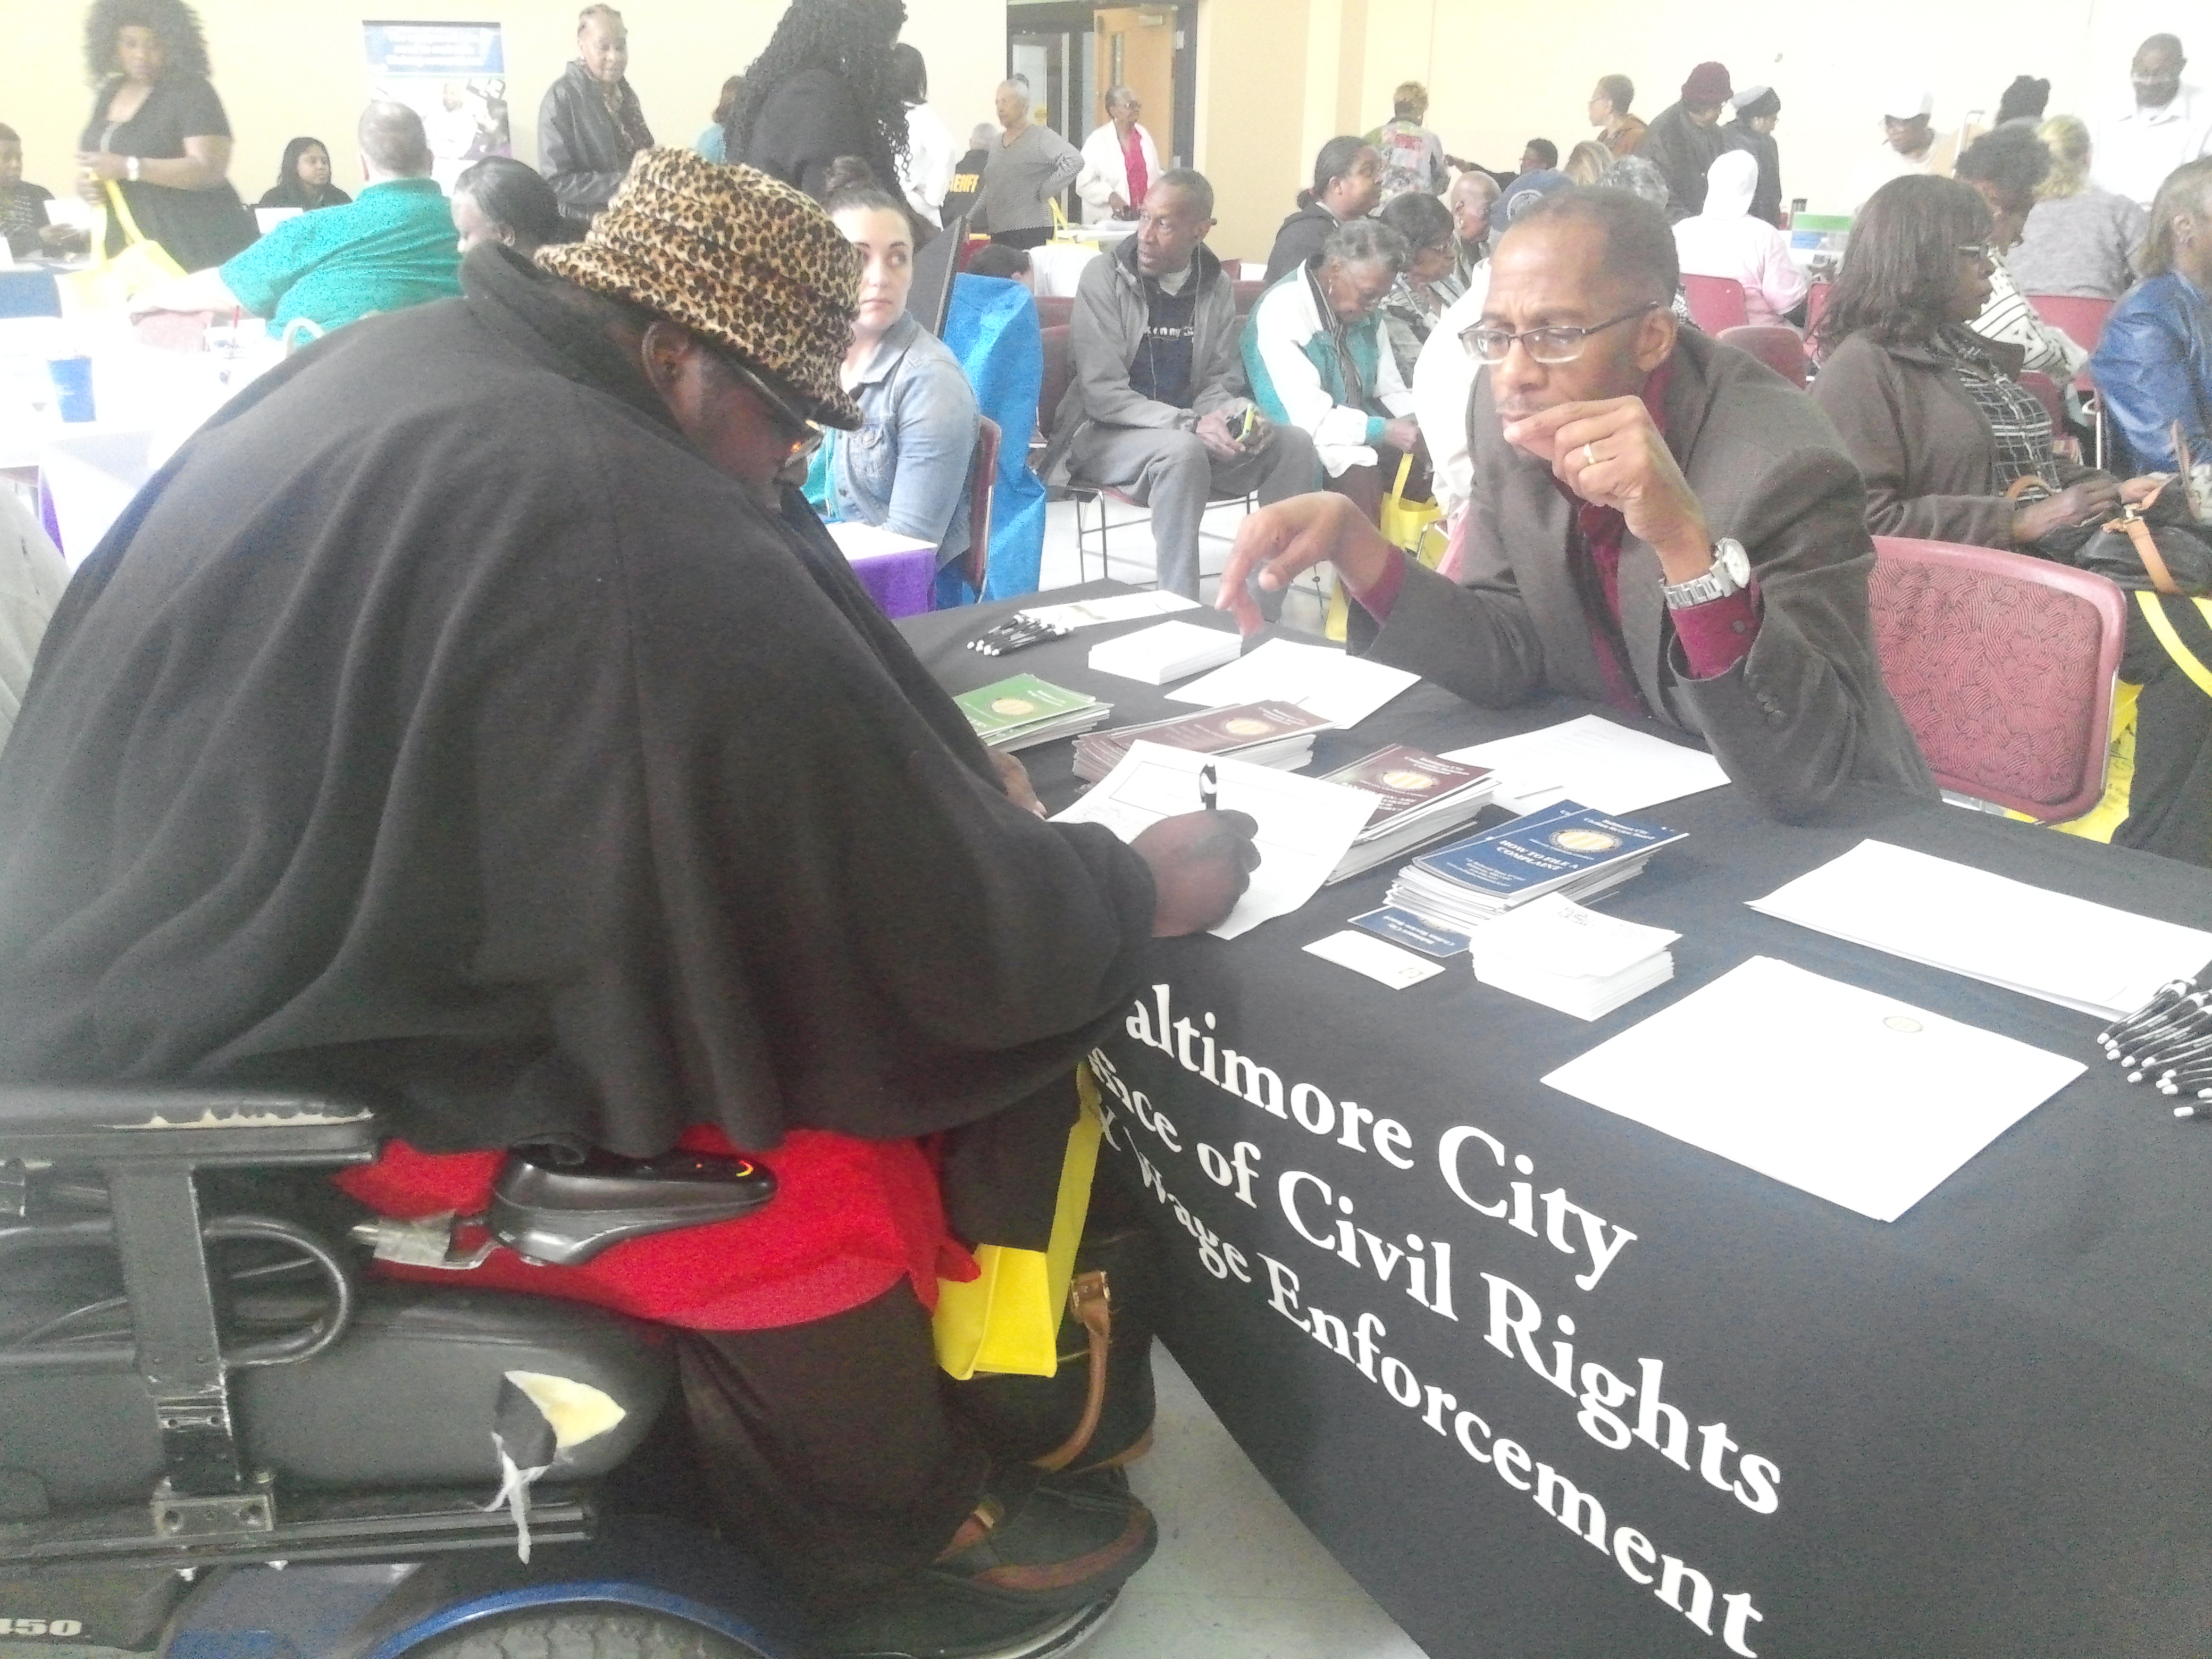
<point x="1135" y="47"/>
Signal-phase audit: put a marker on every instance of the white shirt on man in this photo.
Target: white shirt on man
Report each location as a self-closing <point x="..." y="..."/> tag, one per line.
<point x="2133" y="150"/>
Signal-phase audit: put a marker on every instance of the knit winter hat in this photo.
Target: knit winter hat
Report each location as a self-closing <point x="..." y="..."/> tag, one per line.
<point x="1708" y="84"/>
<point x="738" y="258"/>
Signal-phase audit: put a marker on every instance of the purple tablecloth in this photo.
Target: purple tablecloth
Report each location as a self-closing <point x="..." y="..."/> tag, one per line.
<point x="901" y="583"/>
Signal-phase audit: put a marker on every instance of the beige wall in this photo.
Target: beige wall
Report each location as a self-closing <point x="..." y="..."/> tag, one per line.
<point x="1277" y="77"/>
<point x="1500" y="75"/>
<point x="285" y="68"/>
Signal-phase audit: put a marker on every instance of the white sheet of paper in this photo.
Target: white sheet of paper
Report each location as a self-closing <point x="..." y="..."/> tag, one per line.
<point x="1110" y="608"/>
<point x="1364" y="954"/>
<point x="1857" y="1098"/>
<point x="2064" y="949"/>
<point x="1595" y="762"/>
<point x="1321" y="679"/>
<point x="1304" y="824"/>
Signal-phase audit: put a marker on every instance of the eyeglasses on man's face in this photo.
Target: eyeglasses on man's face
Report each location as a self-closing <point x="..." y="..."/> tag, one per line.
<point x="1544" y="346"/>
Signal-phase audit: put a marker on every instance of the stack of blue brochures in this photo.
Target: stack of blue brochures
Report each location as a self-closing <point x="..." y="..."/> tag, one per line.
<point x="1566" y="849"/>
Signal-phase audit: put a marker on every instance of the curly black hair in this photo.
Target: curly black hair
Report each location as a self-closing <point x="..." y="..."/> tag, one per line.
<point x="177" y="23"/>
<point x="854" y="38"/>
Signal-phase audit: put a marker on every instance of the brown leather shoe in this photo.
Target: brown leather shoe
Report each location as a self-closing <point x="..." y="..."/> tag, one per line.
<point x="1048" y="1545"/>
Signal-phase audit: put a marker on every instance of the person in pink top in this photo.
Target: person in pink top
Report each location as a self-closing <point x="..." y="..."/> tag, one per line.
<point x="1724" y="240"/>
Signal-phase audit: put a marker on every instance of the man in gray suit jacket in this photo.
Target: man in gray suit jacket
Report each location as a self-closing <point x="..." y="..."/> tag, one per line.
<point x="1658" y="523"/>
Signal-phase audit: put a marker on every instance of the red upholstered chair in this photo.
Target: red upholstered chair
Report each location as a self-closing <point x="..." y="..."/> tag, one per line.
<point x="1780" y="348"/>
<point x="1245" y="293"/>
<point x="2081" y="319"/>
<point x="2004" y="666"/>
<point x="1715" y="302"/>
<point x="1055" y="310"/>
<point x="980" y="488"/>
<point x="1816" y="301"/>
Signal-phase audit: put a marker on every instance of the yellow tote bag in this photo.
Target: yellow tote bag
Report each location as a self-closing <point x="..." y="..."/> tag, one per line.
<point x="113" y="281"/>
<point x="1008" y="1319"/>
<point x="1415" y="527"/>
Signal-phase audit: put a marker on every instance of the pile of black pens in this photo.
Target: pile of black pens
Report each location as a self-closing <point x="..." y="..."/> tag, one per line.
<point x="2168" y="1043"/>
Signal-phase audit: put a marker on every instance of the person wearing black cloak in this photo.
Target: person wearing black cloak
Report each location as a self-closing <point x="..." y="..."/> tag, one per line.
<point x="463" y="720"/>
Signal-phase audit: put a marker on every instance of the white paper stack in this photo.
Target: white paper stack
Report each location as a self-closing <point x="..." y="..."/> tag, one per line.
<point x="1552" y="950"/>
<point x="1169" y="651"/>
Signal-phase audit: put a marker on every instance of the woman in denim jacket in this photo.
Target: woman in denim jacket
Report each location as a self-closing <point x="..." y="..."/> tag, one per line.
<point x="908" y="467"/>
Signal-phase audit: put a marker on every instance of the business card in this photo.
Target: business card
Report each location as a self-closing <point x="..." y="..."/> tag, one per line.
<point x="1385" y="963"/>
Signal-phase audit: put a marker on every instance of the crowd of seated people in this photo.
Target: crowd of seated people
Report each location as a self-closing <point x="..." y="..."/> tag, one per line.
<point x="1642" y="517"/>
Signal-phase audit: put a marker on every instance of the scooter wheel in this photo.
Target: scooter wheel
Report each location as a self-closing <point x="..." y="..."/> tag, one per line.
<point x="586" y="1633"/>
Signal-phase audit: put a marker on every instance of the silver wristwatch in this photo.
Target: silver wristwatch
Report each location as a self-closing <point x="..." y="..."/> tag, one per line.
<point x="1731" y="574"/>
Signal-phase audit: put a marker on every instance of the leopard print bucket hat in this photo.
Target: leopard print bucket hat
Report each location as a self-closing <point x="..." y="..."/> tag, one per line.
<point x="736" y="256"/>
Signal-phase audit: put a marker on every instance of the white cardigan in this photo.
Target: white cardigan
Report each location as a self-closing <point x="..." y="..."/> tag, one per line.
<point x="1105" y="175"/>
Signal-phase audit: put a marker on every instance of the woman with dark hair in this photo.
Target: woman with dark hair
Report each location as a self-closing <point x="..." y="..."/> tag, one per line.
<point x="1952" y="449"/>
<point x="1426" y="285"/>
<point x="2154" y="364"/>
<point x="824" y="86"/>
<point x="500" y="199"/>
<point x="907" y="467"/>
<point x="304" y="179"/>
<point x="1348" y="183"/>
<point x="158" y="133"/>
<point x="712" y="143"/>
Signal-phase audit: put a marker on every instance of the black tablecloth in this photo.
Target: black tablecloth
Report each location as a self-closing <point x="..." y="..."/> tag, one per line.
<point x="1980" y="1430"/>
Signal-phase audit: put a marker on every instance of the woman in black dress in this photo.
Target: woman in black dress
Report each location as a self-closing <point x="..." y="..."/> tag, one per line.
<point x="159" y="132"/>
<point x="823" y="87"/>
<point x="304" y="181"/>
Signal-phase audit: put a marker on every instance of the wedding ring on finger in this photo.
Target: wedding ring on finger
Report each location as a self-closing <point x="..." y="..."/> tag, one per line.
<point x="1589" y="456"/>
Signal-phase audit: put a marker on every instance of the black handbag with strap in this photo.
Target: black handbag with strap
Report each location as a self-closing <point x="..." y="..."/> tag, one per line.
<point x="1096" y="1411"/>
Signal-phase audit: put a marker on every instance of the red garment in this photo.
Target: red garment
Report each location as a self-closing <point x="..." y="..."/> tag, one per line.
<point x="850" y="1218"/>
<point x="1715" y="635"/>
<point x="1133" y="158"/>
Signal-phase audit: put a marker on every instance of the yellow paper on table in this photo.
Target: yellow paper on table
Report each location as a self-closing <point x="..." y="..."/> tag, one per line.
<point x="1416" y="527"/>
<point x="1008" y="1320"/>
<point x="115" y="279"/>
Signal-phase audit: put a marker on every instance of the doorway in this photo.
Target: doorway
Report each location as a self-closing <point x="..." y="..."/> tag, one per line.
<point x="1072" y="51"/>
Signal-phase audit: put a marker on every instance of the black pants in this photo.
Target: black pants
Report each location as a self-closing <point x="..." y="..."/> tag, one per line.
<point x="1036" y="236"/>
<point x="831" y="1449"/>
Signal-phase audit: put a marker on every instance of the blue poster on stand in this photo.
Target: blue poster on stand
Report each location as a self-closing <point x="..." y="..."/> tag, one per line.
<point x="454" y="77"/>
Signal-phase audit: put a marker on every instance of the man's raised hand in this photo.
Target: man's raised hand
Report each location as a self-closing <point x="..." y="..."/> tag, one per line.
<point x="1277" y="544"/>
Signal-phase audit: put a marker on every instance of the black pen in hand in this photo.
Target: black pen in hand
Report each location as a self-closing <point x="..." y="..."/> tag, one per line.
<point x="1208" y="786"/>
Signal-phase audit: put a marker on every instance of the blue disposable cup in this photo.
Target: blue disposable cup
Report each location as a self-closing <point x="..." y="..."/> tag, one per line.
<point x="72" y="378"/>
